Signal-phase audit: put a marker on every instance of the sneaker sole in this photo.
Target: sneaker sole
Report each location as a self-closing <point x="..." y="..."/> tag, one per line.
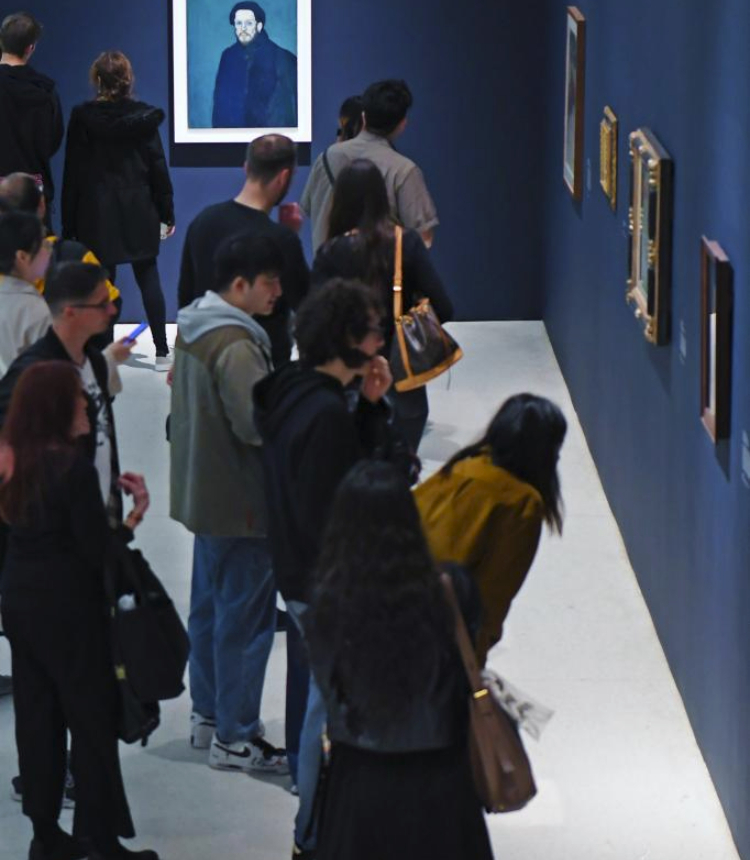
<point x="272" y="771"/>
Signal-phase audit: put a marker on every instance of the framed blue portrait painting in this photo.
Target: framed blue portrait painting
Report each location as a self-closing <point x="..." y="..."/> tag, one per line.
<point x="240" y="69"/>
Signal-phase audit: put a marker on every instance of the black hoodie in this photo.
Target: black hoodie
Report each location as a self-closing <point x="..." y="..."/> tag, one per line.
<point x="31" y="123"/>
<point x="116" y="186"/>
<point x="310" y="441"/>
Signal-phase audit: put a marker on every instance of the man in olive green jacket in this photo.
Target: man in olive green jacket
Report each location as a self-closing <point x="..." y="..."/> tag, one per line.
<point x="216" y="486"/>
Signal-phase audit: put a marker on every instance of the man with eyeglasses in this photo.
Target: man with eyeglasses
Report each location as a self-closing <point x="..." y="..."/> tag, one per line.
<point x="256" y="84"/>
<point x="81" y="307"/>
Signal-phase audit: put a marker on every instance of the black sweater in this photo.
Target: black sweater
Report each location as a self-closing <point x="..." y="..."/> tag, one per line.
<point x="56" y="557"/>
<point x="230" y="218"/>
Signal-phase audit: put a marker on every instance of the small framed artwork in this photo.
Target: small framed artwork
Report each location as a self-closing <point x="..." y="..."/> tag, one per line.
<point x="237" y="71"/>
<point x="716" y="339"/>
<point x="608" y="156"/>
<point x="650" y="239"/>
<point x="575" y="55"/>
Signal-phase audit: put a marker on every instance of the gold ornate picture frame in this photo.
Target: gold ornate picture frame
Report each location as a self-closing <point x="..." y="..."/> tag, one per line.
<point x="608" y="156"/>
<point x="716" y="339"/>
<point x="575" y="79"/>
<point x="650" y="240"/>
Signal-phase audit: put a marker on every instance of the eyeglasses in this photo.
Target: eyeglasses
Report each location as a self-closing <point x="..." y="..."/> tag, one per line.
<point x="97" y="306"/>
<point x="376" y="329"/>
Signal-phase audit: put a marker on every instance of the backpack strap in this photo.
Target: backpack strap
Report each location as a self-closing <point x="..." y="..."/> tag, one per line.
<point x="329" y="172"/>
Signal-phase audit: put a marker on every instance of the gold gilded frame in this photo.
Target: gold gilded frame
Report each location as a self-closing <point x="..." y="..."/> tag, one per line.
<point x="608" y="156"/>
<point x="650" y="240"/>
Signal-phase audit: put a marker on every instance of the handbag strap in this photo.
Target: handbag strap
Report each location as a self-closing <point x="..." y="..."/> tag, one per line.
<point x="328" y="170"/>
<point x="463" y="641"/>
<point x="398" y="278"/>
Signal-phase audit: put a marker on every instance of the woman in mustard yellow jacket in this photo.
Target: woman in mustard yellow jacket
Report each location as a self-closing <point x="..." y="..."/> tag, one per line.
<point x="485" y="508"/>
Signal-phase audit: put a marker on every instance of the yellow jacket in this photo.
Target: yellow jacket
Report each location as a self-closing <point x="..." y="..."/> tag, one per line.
<point x="484" y="518"/>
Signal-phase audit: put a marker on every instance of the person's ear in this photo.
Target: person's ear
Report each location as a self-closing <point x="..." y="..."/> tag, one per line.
<point x="29" y="51"/>
<point x="260" y="26"/>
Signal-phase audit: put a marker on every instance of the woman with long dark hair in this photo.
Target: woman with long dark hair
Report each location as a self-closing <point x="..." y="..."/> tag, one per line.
<point x="53" y="609"/>
<point x="361" y="246"/>
<point x="382" y="649"/>
<point x="485" y="508"/>
<point x="117" y="193"/>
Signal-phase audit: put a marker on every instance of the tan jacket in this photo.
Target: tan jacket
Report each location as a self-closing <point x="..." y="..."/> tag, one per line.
<point x="484" y="518"/>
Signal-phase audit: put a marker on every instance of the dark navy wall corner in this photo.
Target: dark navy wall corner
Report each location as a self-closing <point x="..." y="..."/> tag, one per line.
<point x="474" y="129"/>
<point x="683" y="70"/>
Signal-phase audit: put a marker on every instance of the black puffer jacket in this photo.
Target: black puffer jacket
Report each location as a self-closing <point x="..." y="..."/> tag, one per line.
<point x="116" y="186"/>
<point x="31" y="123"/>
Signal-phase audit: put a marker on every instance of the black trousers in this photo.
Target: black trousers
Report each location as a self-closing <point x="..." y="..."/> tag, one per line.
<point x="410" y="415"/>
<point x="63" y="679"/>
<point x="146" y="275"/>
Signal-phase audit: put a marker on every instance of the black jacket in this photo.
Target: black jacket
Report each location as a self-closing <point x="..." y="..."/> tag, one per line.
<point x="31" y="123"/>
<point x="116" y="185"/>
<point x="436" y="720"/>
<point x="310" y="441"/>
<point x="50" y="348"/>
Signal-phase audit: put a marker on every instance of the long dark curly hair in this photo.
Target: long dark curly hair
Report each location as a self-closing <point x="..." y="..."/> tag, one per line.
<point x="378" y="616"/>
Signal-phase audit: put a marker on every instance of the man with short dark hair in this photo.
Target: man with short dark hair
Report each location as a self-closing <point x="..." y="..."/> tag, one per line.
<point x="269" y="166"/>
<point x="217" y="492"/>
<point x="30" y="113"/>
<point x="256" y="84"/>
<point x="386" y="105"/>
<point x="310" y="441"/>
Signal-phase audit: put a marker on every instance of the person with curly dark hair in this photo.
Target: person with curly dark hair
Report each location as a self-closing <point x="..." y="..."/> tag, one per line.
<point x="117" y="195"/>
<point x="311" y="439"/>
<point x="486" y="506"/>
<point x="382" y="650"/>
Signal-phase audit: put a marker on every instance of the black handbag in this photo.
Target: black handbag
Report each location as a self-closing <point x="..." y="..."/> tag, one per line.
<point x="149" y="643"/>
<point x="422" y="349"/>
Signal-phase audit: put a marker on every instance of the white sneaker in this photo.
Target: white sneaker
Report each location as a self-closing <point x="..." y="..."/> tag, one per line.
<point x="201" y="731"/>
<point x="163" y="363"/>
<point x="248" y="756"/>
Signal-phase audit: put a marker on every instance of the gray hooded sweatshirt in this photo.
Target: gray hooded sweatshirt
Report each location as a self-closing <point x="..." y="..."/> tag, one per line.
<point x="216" y="480"/>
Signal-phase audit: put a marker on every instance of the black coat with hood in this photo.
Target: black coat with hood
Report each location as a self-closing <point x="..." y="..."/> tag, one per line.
<point x="310" y="441"/>
<point x="31" y="123"/>
<point x="116" y="185"/>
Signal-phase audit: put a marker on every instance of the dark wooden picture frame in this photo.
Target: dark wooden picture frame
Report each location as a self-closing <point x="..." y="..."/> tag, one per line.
<point x="650" y="235"/>
<point x="608" y="156"/>
<point x="716" y="339"/>
<point x="575" y="80"/>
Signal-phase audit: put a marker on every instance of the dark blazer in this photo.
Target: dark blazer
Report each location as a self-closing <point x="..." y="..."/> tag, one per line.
<point x="256" y="86"/>
<point x="116" y="185"/>
<point x="31" y="122"/>
<point x="50" y="348"/>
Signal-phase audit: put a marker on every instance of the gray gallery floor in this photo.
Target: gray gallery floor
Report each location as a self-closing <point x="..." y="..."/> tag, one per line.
<point x="618" y="769"/>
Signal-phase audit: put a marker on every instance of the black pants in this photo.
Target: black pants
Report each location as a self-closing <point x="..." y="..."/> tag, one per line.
<point x="147" y="277"/>
<point x="63" y="678"/>
<point x="410" y="415"/>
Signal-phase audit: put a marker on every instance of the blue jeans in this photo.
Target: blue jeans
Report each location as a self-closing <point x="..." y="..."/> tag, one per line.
<point x="231" y="627"/>
<point x="310" y="750"/>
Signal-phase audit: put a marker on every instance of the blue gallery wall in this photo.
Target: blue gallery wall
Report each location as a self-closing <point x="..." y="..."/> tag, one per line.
<point x="468" y="130"/>
<point x="682" y="68"/>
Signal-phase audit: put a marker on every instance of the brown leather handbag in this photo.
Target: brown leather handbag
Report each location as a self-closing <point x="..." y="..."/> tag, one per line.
<point x="422" y="349"/>
<point x="501" y="768"/>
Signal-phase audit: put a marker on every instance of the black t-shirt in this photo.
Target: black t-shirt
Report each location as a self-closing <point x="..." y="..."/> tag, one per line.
<point x="208" y="231"/>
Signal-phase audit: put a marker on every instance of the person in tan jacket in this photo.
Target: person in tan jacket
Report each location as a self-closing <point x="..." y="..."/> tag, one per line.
<point x="485" y="508"/>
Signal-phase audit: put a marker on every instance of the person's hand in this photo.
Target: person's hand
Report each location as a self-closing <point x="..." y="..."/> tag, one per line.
<point x="290" y="215"/>
<point x="377" y="379"/>
<point x="170" y="376"/>
<point x="135" y="486"/>
<point x="120" y="350"/>
<point x="170" y="231"/>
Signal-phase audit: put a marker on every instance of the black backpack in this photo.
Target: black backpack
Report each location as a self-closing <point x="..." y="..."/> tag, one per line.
<point x="149" y="643"/>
